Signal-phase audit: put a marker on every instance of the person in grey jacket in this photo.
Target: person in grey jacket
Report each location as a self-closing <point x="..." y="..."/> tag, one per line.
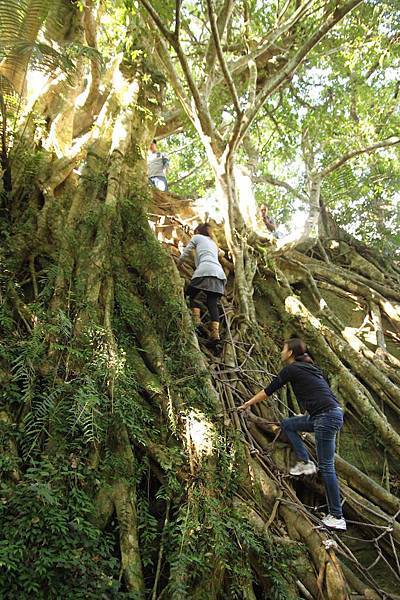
<point x="157" y="164"/>
<point x="209" y="276"/>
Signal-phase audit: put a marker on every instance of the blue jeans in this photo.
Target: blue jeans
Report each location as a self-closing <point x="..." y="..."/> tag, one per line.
<point x="159" y="182"/>
<point x="325" y="427"/>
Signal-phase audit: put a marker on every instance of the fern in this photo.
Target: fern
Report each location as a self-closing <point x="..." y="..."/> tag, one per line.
<point x="20" y="18"/>
<point x="44" y="57"/>
<point x="20" y="23"/>
<point x="36" y="422"/>
<point x="23" y="26"/>
<point x="24" y="374"/>
<point x="86" y="411"/>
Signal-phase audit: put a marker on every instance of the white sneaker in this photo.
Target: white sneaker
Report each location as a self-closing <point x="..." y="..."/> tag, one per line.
<point x="303" y="468"/>
<point x="334" y="522"/>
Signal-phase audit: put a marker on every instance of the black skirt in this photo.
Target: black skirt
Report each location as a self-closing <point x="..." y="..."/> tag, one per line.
<point x="209" y="284"/>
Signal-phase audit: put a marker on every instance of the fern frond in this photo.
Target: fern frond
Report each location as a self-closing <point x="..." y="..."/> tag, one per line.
<point x="25" y="28"/>
<point x="36" y="422"/>
<point x="86" y="411"/>
<point x="20" y="24"/>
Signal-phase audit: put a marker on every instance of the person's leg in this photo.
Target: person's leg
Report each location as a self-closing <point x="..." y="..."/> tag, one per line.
<point x="192" y="292"/>
<point x="291" y="428"/>
<point x="326" y="427"/>
<point x="159" y="182"/>
<point x="212" y="305"/>
<point x="162" y="183"/>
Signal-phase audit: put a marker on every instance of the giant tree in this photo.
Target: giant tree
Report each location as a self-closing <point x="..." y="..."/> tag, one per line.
<point x="126" y="470"/>
<point x="293" y="31"/>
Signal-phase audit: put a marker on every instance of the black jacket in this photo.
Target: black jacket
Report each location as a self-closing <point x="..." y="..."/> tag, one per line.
<point x="309" y="385"/>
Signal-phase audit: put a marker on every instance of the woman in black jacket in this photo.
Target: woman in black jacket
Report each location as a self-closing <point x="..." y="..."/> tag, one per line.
<point x="325" y="419"/>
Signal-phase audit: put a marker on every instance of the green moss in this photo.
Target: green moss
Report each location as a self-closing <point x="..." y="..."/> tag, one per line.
<point x="359" y="447"/>
<point x="351" y="313"/>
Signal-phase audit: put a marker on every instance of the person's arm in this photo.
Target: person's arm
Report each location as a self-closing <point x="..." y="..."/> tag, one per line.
<point x="271" y="226"/>
<point x="186" y="251"/>
<point x="254" y="400"/>
<point x="165" y="162"/>
<point x="281" y="379"/>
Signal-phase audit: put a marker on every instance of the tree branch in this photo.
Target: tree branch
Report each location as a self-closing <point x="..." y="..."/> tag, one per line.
<point x="90" y="24"/>
<point x="240" y="65"/>
<point x="84" y="116"/>
<point x="392" y="141"/>
<point x="175" y="81"/>
<point x="279" y="183"/>
<point x="284" y="9"/>
<point x="188" y="174"/>
<point x="286" y="73"/>
<point x="202" y="110"/>
<point x="177" y="18"/>
<point x="252" y="87"/>
<point x="224" y="67"/>
<point x="160" y="25"/>
<point x="210" y="56"/>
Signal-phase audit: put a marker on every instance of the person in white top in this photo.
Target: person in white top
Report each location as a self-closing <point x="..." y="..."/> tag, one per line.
<point x="209" y="276"/>
<point x="157" y="165"/>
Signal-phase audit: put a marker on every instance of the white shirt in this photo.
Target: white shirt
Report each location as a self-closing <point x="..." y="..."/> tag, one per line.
<point x="157" y="164"/>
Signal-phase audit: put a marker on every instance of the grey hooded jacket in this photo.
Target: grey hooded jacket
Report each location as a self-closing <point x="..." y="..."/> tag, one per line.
<point x="206" y="257"/>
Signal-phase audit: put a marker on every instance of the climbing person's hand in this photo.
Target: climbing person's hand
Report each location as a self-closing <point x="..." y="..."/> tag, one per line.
<point x="254" y="400"/>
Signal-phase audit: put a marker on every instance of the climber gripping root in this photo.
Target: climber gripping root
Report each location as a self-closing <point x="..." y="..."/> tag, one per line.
<point x="324" y="419"/>
<point x="208" y="277"/>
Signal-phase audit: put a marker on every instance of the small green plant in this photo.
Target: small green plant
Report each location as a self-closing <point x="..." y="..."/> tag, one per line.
<point x="49" y="547"/>
<point x="207" y="534"/>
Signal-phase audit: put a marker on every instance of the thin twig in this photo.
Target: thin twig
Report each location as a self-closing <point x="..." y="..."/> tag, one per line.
<point x="160" y="554"/>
